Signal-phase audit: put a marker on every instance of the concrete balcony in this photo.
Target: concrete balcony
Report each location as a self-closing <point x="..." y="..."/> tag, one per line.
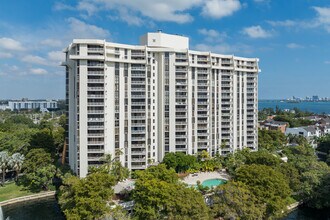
<point x="135" y="68"/>
<point x="95" y="135"/>
<point x="95" y="127"/>
<point x="95" y="96"/>
<point x="97" y="73"/>
<point x="138" y="82"/>
<point x="142" y="159"/>
<point x="138" y="138"/>
<point x="95" y="119"/>
<point x="91" y="49"/>
<point x="138" y="110"/>
<point x="95" y="89"/>
<point x="95" y="112"/>
<point x="95" y="143"/>
<point x="138" y="131"/>
<point x="139" y="167"/>
<point x="95" y="103"/>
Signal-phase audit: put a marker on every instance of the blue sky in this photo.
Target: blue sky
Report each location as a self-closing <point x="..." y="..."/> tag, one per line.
<point x="291" y="38"/>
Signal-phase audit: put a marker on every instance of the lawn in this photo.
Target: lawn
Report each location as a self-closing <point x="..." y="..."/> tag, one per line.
<point x="11" y="190"/>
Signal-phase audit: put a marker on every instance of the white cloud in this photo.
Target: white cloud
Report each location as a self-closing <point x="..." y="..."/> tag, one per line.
<point x="322" y="20"/>
<point x="38" y="71"/>
<point x="327" y="62"/>
<point x="11" y="44"/>
<point x="212" y="35"/>
<point x="128" y="17"/>
<point x="56" y="56"/>
<point x="323" y="17"/>
<point x="5" y="55"/>
<point x="80" y="29"/>
<point x="137" y="12"/>
<point x="90" y="8"/>
<point x="34" y="59"/>
<point x="294" y="46"/>
<point x="209" y="32"/>
<point x="256" y="32"/>
<point x="59" y="6"/>
<point x="286" y="23"/>
<point x="220" y="8"/>
<point x="52" y="42"/>
<point x="159" y="10"/>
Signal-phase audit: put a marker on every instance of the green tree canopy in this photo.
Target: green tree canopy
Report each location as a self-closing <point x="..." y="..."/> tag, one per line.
<point x="35" y="159"/>
<point x="235" y="201"/>
<point x="271" y="140"/>
<point x="263" y="157"/>
<point x="267" y="184"/>
<point x="179" y="161"/>
<point x="158" y="195"/>
<point x="87" y="198"/>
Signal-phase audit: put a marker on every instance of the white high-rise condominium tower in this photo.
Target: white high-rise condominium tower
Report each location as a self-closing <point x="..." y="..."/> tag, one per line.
<point x="156" y="98"/>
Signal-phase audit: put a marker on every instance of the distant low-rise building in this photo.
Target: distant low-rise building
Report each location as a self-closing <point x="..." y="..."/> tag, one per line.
<point x="313" y="118"/>
<point x="307" y="132"/>
<point x="271" y="124"/>
<point x="25" y="104"/>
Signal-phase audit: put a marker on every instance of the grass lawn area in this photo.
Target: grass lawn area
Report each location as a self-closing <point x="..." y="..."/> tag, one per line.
<point x="11" y="190"/>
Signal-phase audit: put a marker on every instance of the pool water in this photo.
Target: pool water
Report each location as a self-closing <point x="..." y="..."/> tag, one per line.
<point x="213" y="182"/>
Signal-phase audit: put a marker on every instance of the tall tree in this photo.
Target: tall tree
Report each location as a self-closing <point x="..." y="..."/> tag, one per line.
<point x="16" y="162"/>
<point x="87" y="198"/>
<point x="235" y="201"/>
<point x="159" y="195"/>
<point x="114" y="166"/>
<point x="268" y="185"/>
<point x="4" y="164"/>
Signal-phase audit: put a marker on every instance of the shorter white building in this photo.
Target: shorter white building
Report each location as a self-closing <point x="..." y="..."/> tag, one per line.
<point x="307" y="132"/>
<point x="26" y="104"/>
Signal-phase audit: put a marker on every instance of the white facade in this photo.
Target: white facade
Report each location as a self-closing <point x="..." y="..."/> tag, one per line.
<point x="156" y="98"/>
<point x="29" y="105"/>
<point x="306" y="132"/>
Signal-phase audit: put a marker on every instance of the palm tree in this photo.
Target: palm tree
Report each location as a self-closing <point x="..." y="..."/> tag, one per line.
<point x="4" y="164"/>
<point x="16" y="163"/>
<point x="114" y="166"/>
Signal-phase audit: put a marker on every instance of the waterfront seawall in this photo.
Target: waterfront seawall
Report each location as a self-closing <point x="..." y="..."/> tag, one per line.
<point x="27" y="198"/>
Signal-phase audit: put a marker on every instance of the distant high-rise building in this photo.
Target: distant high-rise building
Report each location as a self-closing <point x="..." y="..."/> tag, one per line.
<point x="156" y="98"/>
<point x="315" y="98"/>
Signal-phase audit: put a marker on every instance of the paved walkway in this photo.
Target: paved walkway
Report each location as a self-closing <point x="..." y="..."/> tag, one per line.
<point x="27" y="198"/>
<point x="192" y="179"/>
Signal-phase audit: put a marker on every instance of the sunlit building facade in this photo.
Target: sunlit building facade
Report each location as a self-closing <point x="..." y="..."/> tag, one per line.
<point x="155" y="98"/>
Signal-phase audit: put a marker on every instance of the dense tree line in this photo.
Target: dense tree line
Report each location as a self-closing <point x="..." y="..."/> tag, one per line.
<point x="261" y="184"/>
<point x="36" y="148"/>
<point x="295" y="118"/>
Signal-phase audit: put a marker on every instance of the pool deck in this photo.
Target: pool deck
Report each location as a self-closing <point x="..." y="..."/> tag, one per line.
<point x="202" y="176"/>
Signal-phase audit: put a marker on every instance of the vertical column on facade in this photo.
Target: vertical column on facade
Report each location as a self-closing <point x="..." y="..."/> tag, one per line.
<point x="245" y="110"/>
<point x="82" y="112"/>
<point x="181" y="104"/>
<point x="160" y="61"/>
<point x="72" y="113"/>
<point x="189" y="96"/>
<point x="109" y="108"/>
<point x="140" y="110"/>
<point x="171" y="99"/>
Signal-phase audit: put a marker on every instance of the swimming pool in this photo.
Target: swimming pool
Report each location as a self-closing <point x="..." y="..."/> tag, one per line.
<point x="213" y="182"/>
